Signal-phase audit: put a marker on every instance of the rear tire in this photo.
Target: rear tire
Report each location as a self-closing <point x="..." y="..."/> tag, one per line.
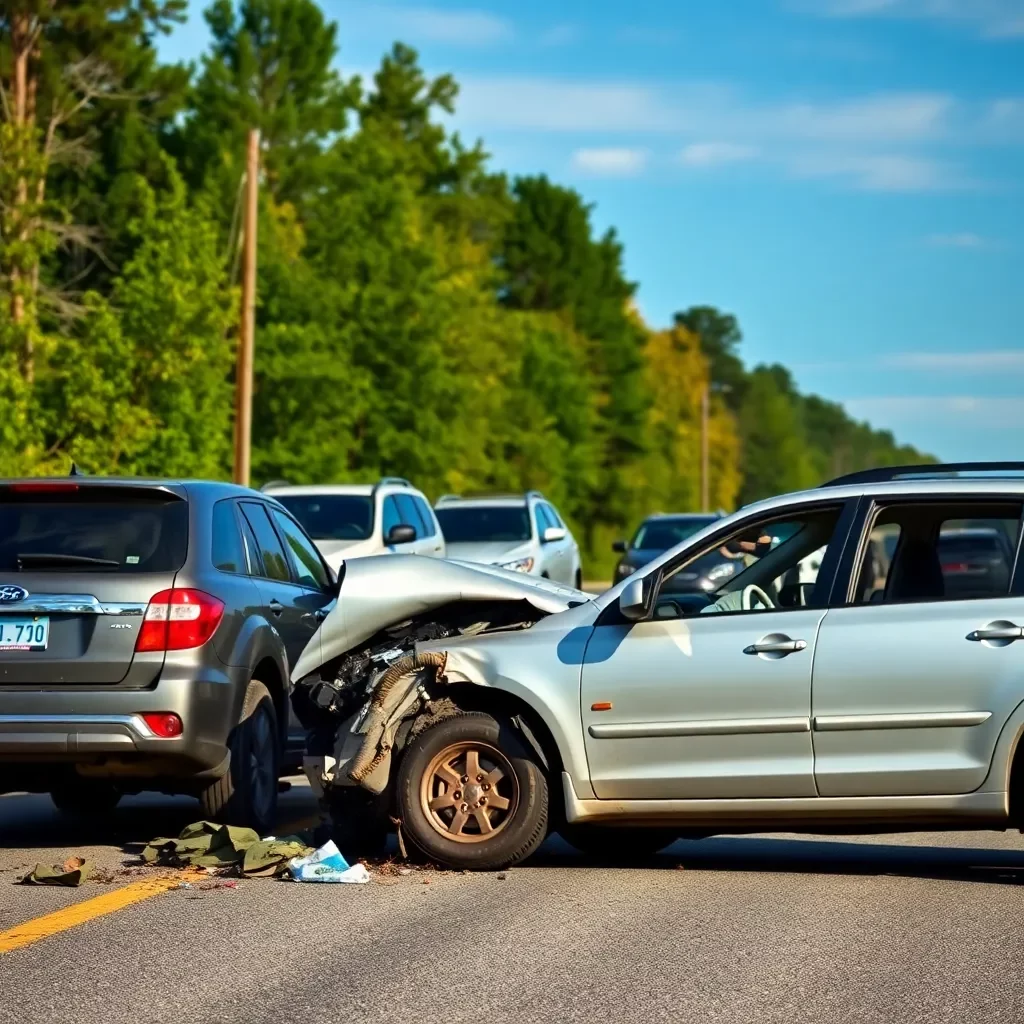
<point x="247" y="793"/>
<point x="85" y="798"/>
<point x="471" y="795"/>
<point x="616" y="845"/>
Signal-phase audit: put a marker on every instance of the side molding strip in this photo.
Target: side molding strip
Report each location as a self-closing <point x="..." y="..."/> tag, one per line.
<point x="925" y="720"/>
<point x="712" y="727"/>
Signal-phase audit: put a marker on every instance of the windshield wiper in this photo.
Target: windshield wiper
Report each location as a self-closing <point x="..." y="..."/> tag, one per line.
<point x="41" y="560"/>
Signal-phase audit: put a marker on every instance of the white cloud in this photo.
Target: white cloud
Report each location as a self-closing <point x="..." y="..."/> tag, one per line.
<point x="714" y="154"/>
<point x="611" y="162"/>
<point x="560" y="35"/>
<point x="958" y="240"/>
<point x="455" y="27"/>
<point x="877" y="173"/>
<point x="992" y="361"/>
<point x="994" y="19"/>
<point x="968" y="410"/>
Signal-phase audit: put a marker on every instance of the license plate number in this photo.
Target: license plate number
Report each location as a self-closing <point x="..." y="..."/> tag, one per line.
<point x="24" y="634"/>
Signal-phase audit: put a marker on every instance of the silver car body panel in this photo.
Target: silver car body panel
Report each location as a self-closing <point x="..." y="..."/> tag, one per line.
<point x="380" y="590"/>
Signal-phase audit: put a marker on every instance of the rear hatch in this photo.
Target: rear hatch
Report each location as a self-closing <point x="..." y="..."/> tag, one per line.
<point x="79" y="563"/>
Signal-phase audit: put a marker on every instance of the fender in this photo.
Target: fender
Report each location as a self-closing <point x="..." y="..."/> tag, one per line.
<point x="998" y="778"/>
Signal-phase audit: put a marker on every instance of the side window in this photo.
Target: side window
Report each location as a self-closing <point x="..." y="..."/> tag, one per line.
<point x="540" y="518"/>
<point x="275" y="565"/>
<point x="410" y="514"/>
<point x="306" y="564"/>
<point x="390" y="516"/>
<point x="426" y="516"/>
<point x="252" y="549"/>
<point x="939" y="551"/>
<point x="227" y="552"/>
<point x="761" y="567"/>
<point x="556" y="519"/>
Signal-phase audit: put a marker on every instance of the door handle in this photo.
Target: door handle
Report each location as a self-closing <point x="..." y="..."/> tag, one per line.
<point x="321" y="613"/>
<point x="997" y="631"/>
<point x="776" y="644"/>
<point x="276" y="607"/>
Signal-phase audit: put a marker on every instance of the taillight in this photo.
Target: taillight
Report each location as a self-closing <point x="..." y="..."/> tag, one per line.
<point x="164" y="724"/>
<point x="178" y="620"/>
<point x="42" y="485"/>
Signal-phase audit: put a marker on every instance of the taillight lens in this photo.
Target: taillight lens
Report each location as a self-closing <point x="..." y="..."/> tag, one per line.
<point x="178" y="620"/>
<point x="164" y="724"/>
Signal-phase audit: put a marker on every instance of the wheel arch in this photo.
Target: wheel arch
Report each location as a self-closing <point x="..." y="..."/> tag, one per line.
<point x="269" y="673"/>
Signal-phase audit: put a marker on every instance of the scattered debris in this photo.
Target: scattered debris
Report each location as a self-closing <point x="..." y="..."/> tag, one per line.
<point x="327" y="865"/>
<point x="71" y="873"/>
<point x="502" y="876"/>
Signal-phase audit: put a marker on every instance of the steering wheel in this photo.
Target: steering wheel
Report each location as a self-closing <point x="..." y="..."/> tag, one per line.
<point x="753" y="593"/>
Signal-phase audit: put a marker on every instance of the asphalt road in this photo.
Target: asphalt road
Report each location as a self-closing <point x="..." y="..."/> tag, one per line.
<point x="778" y="928"/>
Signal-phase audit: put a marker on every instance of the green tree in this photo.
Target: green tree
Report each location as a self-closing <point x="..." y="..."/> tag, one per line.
<point x="720" y="338"/>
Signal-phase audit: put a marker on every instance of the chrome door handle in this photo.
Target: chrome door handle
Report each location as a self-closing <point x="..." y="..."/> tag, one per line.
<point x="997" y="631"/>
<point x="776" y="645"/>
<point x="276" y="607"/>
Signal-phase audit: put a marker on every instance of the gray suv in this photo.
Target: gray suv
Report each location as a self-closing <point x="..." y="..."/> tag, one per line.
<point x="147" y="632"/>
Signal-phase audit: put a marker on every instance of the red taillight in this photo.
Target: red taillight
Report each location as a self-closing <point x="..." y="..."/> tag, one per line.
<point x="165" y="724"/>
<point x="178" y="620"/>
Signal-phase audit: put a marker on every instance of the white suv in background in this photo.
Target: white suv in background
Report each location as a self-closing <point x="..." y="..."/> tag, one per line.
<point x="521" y="532"/>
<point x="353" y="520"/>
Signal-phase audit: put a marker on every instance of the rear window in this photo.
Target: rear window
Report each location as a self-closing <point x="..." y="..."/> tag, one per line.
<point x="331" y="516"/>
<point x="66" y="533"/>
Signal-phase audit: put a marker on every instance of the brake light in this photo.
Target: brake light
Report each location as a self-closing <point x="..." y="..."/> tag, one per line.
<point x="178" y="620"/>
<point x="164" y="724"/>
<point x="43" y="485"/>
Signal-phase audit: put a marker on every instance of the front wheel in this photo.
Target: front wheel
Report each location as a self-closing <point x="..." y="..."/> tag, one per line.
<point x="471" y="795"/>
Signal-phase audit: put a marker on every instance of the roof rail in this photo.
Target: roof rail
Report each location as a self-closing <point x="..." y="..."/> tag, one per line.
<point x="448" y="497"/>
<point x="397" y="481"/>
<point x="274" y="483"/>
<point x="937" y="471"/>
<point x="536" y="494"/>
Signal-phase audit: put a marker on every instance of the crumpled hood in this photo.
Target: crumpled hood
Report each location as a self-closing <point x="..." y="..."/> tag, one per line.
<point x="490" y="552"/>
<point x="381" y="590"/>
<point x="336" y="551"/>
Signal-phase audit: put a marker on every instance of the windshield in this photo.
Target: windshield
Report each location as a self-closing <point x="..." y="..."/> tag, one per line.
<point x="662" y="534"/>
<point x="87" y="534"/>
<point x="331" y="516"/>
<point x="484" y="523"/>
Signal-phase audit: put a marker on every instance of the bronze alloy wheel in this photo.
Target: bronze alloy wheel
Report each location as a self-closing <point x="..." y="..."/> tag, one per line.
<point x="469" y="792"/>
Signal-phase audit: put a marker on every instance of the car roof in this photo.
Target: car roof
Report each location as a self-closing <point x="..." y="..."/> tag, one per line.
<point x="655" y="516"/>
<point x="364" y="490"/>
<point x="183" y="486"/>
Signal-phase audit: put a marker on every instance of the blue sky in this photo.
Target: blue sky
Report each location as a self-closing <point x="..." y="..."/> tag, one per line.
<point x="845" y="176"/>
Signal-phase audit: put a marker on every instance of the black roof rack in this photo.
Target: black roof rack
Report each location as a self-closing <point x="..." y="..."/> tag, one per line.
<point x="938" y="471"/>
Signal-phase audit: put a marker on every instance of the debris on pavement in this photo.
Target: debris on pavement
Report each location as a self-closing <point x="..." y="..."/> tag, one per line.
<point x="204" y="844"/>
<point x="327" y="865"/>
<point x="71" y="873"/>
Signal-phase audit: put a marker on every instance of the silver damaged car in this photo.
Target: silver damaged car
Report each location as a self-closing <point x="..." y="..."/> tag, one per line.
<point x="883" y="690"/>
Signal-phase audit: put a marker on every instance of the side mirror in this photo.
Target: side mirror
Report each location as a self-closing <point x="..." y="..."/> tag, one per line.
<point x="619" y="547"/>
<point x="553" y="533"/>
<point x="400" y="534"/>
<point x="631" y="601"/>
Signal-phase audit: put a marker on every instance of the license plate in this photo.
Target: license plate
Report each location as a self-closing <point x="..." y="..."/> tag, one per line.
<point x="24" y="634"/>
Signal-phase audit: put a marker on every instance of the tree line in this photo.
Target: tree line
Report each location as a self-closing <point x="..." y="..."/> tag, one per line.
<point x="419" y="313"/>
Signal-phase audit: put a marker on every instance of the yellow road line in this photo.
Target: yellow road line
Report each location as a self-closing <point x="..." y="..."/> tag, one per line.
<point x="78" y="913"/>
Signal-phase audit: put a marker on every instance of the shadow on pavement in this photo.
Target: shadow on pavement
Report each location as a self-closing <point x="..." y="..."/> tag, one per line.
<point x="814" y="855"/>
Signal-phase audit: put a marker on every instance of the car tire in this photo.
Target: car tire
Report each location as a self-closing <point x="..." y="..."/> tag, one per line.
<point x="578" y="580"/>
<point x="246" y="794"/>
<point x="492" y="821"/>
<point x="612" y="845"/>
<point x="360" y="822"/>
<point x="85" y="798"/>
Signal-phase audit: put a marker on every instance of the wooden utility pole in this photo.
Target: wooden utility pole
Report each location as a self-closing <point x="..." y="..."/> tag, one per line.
<point x="705" y="497"/>
<point x="247" y="326"/>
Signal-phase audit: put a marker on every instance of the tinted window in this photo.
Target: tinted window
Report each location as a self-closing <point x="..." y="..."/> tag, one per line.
<point x="540" y="518"/>
<point x="252" y="549"/>
<point x="331" y="516"/>
<point x="390" y="517"/>
<point x="228" y="553"/>
<point x="664" y="533"/>
<point x="410" y="514"/>
<point x="429" y="529"/>
<point x="483" y="523"/>
<point x="275" y="566"/>
<point x="556" y="519"/>
<point x="306" y="564"/>
<point x="84" y="532"/>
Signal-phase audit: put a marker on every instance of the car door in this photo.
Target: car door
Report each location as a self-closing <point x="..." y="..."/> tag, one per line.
<point x="565" y="549"/>
<point x="293" y="609"/>
<point x="434" y="545"/>
<point x="713" y="701"/>
<point x="914" y="675"/>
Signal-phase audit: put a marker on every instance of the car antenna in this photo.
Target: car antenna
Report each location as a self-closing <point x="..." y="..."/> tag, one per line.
<point x="75" y="471"/>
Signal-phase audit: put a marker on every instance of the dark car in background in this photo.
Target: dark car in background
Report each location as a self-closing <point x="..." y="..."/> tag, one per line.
<point x="976" y="561"/>
<point x="147" y="634"/>
<point x="657" y="533"/>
